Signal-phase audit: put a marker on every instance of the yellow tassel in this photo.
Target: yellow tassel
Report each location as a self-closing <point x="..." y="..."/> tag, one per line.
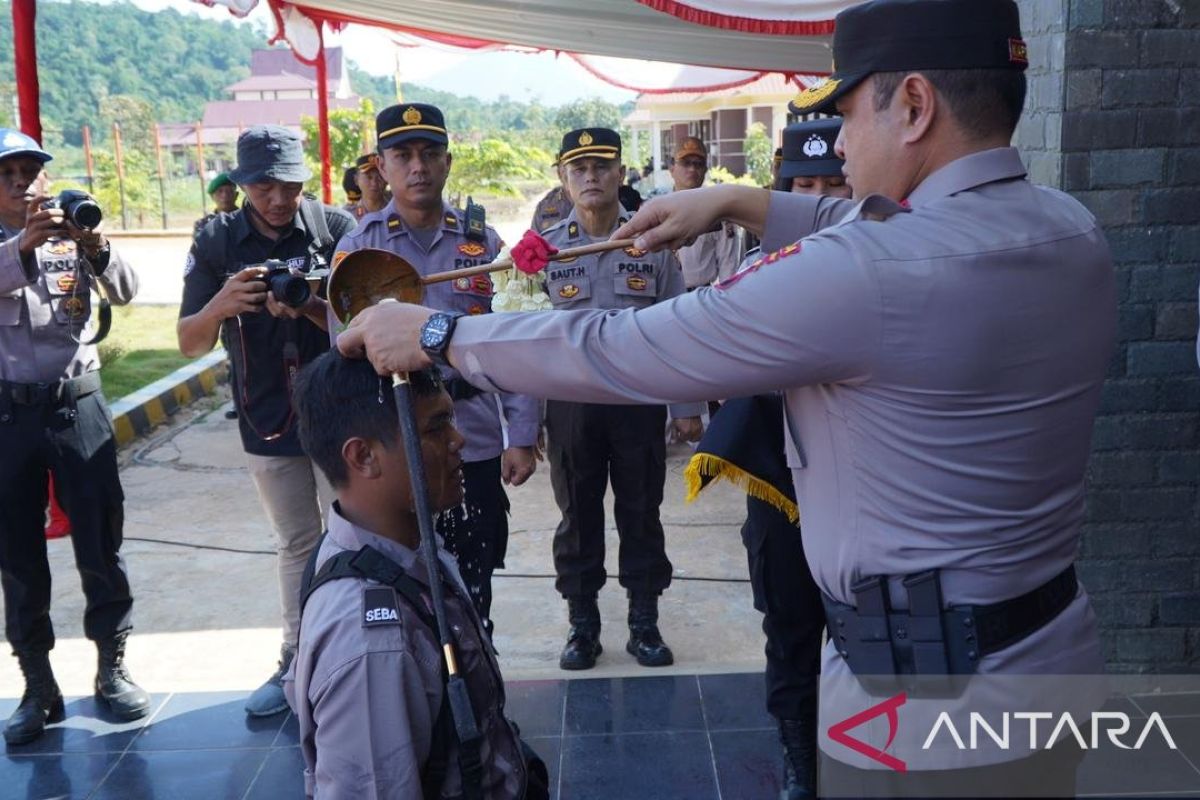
<point x="706" y="465"/>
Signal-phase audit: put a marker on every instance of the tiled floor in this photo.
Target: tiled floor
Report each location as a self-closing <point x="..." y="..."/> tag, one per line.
<point x="702" y="737"/>
<point x="653" y="737"/>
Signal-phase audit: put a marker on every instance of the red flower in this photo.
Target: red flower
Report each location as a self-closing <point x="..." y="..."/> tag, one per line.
<point x="532" y="253"/>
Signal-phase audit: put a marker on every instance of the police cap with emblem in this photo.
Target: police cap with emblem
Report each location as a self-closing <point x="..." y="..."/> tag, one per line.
<point x="691" y="146"/>
<point x="14" y="143"/>
<point x="912" y="35"/>
<point x="401" y="123"/>
<point x="590" y="143"/>
<point x="367" y="163"/>
<point x="808" y="149"/>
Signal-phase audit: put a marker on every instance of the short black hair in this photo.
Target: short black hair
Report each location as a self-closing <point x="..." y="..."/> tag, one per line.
<point x="349" y="184"/>
<point x="338" y="398"/>
<point x="985" y="102"/>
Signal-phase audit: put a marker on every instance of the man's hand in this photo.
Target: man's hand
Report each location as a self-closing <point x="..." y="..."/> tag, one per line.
<point x="244" y="292"/>
<point x="516" y="465"/>
<point x="389" y="335"/>
<point x="675" y="220"/>
<point x="91" y="242"/>
<point x="688" y="429"/>
<point x="41" y="225"/>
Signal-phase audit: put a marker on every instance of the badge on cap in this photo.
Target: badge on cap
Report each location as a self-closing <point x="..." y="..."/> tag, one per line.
<point x="585" y="139"/>
<point x="472" y="249"/>
<point x="815" y="147"/>
<point x="568" y="291"/>
<point x="411" y="116"/>
<point x="636" y="282"/>
<point x="1018" y="53"/>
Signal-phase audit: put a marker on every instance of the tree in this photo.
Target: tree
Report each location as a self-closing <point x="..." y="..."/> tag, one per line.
<point x="490" y="167"/>
<point x="136" y="118"/>
<point x="349" y="131"/>
<point x="141" y="190"/>
<point x="759" y="154"/>
<point x="590" y="113"/>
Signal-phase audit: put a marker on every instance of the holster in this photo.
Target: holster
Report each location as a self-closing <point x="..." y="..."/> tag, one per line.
<point x="929" y="649"/>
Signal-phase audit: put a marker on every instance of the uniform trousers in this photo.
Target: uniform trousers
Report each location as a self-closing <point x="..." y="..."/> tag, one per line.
<point x="81" y="454"/>
<point x="295" y="496"/>
<point x="476" y="531"/>
<point x="793" y="614"/>
<point x="588" y="446"/>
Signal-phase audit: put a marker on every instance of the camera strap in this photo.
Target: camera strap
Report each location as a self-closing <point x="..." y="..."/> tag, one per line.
<point x="104" y="316"/>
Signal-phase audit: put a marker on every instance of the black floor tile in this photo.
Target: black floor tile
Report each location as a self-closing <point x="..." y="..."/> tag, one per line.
<point x="630" y="705"/>
<point x="24" y="777"/>
<point x="549" y="748"/>
<point x="536" y="706"/>
<point x="735" y="702"/>
<point x="749" y="764"/>
<point x="207" y="720"/>
<point x="89" y="728"/>
<point x="1154" y="768"/>
<point x="183" y="775"/>
<point x="289" y="734"/>
<point x="281" y="776"/>
<point x="638" y="766"/>
<point x="1169" y="705"/>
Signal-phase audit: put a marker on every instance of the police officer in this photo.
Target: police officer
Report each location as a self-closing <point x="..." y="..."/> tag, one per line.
<point x="53" y="417"/>
<point x="716" y="254"/>
<point x="353" y="204"/>
<point x="225" y="293"/>
<point x="554" y="206"/>
<point x="224" y="194"/>
<point x="433" y="236"/>
<point x="588" y="444"/>
<point x="371" y="183"/>
<point x="942" y="345"/>
<point x="746" y="437"/>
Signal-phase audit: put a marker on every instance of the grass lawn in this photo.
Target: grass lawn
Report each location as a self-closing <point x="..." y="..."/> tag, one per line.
<point x="140" y="349"/>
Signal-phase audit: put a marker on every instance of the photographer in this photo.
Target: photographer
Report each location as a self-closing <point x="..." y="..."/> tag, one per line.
<point x="227" y="291"/>
<point x="53" y="417"/>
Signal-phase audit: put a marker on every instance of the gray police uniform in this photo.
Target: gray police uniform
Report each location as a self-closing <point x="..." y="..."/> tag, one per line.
<point x="53" y="417"/>
<point x="713" y="256"/>
<point x="943" y="361"/>
<point x="590" y="444"/>
<point x="476" y="532"/>
<point x="551" y="209"/>
<point x="367" y="685"/>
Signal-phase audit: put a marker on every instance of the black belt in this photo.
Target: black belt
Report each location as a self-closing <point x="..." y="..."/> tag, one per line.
<point x="929" y="638"/>
<point x="53" y="393"/>
<point x="459" y="389"/>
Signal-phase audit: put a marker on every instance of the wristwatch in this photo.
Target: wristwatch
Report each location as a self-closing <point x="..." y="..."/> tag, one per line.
<point x="435" y="336"/>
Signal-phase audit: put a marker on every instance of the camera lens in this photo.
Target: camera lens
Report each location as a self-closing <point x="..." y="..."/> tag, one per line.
<point x="290" y="289"/>
<point x="85" y="214"/>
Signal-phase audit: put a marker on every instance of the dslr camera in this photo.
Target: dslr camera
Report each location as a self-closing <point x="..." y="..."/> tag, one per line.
<point x="289" y="288"/>
<point x="78" y="208"/>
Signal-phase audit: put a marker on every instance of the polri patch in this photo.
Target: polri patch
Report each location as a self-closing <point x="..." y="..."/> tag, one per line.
<point x="380" y="606"/>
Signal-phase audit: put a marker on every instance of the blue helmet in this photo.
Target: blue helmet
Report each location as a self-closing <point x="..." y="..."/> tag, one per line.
<point x="15" y="143"/>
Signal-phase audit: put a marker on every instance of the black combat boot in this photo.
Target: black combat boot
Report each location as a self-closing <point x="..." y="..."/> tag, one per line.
<point x="41" y="703"/>
<point x="645" y="642"/>
<point x="799" y="740"/>
<point x="125" y="699"/>
<point x="583" y="641"/>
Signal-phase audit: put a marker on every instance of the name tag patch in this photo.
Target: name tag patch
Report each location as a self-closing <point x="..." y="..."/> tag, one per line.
<point x="380" y="606"/>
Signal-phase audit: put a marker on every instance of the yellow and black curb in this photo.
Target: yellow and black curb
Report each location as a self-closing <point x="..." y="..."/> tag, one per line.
<point x="137" y="414"/>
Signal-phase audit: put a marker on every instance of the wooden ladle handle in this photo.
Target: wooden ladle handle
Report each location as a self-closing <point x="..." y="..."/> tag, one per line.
<point x="506" y="263"/>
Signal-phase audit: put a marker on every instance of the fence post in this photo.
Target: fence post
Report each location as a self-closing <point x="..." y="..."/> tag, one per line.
<point x="162" y="187"/>
<point x="120" y="174"/>
<point x="87" y="157"/>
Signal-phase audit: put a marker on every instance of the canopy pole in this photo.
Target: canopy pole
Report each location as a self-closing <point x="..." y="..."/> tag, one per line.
<point x="323" y="115"/>
<point x="24" y="16"/>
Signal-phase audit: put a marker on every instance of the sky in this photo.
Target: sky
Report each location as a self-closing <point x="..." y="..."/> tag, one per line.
<point x="554" y="80"/>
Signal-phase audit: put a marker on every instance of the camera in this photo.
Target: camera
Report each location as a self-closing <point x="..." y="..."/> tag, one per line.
<point x="289" y="288"/>
<point x="78" y="208"/>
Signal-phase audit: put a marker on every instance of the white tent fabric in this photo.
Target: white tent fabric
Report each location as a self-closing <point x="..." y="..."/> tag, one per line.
<point x="622" y="28"/>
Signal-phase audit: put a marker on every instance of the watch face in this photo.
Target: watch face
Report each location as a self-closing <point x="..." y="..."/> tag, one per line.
<point x="434" y="331"/>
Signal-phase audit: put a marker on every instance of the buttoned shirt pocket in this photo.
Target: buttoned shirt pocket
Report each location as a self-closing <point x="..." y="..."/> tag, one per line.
<point x="473" y="295"/>
<point x="635" y="290"/>
<point x="10" y="308"/>
<point x="569" y="292"/>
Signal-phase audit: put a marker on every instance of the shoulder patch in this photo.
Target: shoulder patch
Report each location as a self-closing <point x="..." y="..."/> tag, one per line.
<point x="783" y="252"/>
<point x="380" y="606"/>
<point x="451" y="220"/>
